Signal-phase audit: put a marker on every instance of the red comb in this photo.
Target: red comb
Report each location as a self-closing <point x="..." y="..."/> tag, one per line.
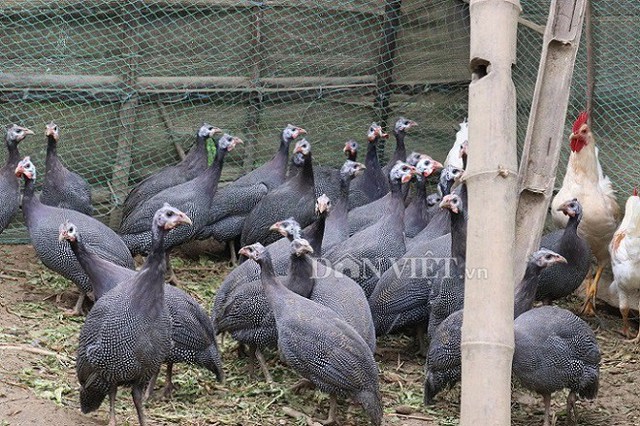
<point x="582" y="119"/>
<point x="635" y="191"/>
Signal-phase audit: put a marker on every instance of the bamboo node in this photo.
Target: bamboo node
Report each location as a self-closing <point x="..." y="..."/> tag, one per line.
<point x="501" y="171"/>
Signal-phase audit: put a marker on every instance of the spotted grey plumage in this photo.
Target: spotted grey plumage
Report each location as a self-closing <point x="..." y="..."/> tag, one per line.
<point x="373" y="183"/>
<point x="9" y="183"/>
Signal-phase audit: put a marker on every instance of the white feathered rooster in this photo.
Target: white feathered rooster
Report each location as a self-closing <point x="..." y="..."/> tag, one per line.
<point x="454" y="157"/>
<point x="625" y="261"/>
<point x="585" y="181"/>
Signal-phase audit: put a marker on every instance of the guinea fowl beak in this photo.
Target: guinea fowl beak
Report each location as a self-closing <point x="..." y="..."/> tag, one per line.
<point x="560" y="259"/>
<point x="411" y="124"/>
<point x="406" y="178"/>
<point x="446" y="204"/>
<point x="214" y="131"/>
<point x="382" y="134"/>
<point x="235" y="141"/>
<point x="27" y="131"/>
<point x="436" y="166"/>
<point x="299" y="131"/>
<point x="277" y="227"/>
<point x="184" y="219"/>
<point x="62" y="236"/>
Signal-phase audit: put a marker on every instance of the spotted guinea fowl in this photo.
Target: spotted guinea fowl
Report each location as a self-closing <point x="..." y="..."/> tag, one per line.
<point x="373" y="250"/>
<point x="193" y="164"/>
<point x="231" y="204"/>
<point x="400" y="130"/>
<point x="192" y="197"/>
<point x="554" y="350"/>
<point x="373" y="183"/>
<point x="337" y="225"/>
<point x="43" y="222"/>
<point x="296" y="197"/>
<point x="192" y="332"/>
<point x="9" y="184"/>
<point x="62" y="187"/>
<point x="444" y="359"/>
<point x="562" y="279"/>
<point x="127" y="334"/>
<point x="319" y="345"/>
<point x="419" y="211"/>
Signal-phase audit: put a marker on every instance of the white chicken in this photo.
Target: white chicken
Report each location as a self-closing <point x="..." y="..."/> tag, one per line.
<point x="585" y="181"/>
<point x="454" y="157"/>
<point x="625" y="261"/>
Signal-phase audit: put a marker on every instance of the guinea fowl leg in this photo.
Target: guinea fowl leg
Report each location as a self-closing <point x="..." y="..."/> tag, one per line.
<point x="112" y="406"/>
<point x="151" y="386"/>
<point x="421" y="337"/>
<point x="333" y="409"/>
<point x="302" y="384"/>
<point x="77" y="309"/>
<point x="263" y="366"/>
<point x="232" y="252"/>
<point x="137" y="391"/>
<point x="571" y="409"/>
<point x="547" y="409"/>
<point x="168" y="387"/>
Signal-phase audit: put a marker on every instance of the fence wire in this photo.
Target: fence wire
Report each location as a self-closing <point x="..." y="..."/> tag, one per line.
<point x="129" y="82"/>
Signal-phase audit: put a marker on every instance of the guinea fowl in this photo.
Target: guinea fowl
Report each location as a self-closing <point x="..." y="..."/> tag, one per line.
<point x="400" y="130"/>
<point x="554" y="350"/>
<point x="562" y="279"/>
<point x="402" y="299"/>
<point x="365" y="216"/>
<point x="418" y="212"/>
<point x="127" y="334"/>
<point x="296" y="197"/>
<point x="444" y="359"/>
<point x="231" y="204"/>
<point x="585" y="180"/>
<point x="625" y="262"/>
<point x="43" y="222"/>
<point x="192" y="197"/>
<point x="9" y="185"/>
<point x="192" y="332"/>
<point x="337" y="225"/>
<point x="319" y="345"/>
<point x="373" y="183"/>
<point x="193" y="164"/>
<point x="378" y="246"/>
<point x="339" y="293"/>
<point x="63" y="188"/>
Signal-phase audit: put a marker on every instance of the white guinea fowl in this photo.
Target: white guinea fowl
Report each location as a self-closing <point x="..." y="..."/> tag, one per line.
<point x="585" y="181"/>
<point x="453" y="157"/>
<point x="625" y="261"/>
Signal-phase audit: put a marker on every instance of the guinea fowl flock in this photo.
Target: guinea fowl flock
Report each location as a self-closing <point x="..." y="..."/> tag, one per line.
<point x="330" y="266"/>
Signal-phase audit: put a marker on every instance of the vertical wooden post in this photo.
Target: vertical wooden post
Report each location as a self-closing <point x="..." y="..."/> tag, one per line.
<point x="545" y="137"/>
<point x="384" y="69"/>
<point x="127" y="116"/>
<point x="255" y="105"/>
<point x="487" y="329"/>
<point x="591" y="78"/>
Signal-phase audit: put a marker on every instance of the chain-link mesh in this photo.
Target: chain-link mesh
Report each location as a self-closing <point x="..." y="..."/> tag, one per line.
<point x="129" y="82"/>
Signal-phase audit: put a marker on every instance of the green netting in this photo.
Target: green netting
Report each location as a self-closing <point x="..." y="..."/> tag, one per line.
<point x="129" y="81"/>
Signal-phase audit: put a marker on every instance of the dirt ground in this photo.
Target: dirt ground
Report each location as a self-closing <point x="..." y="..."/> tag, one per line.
<point x="38" y="384"/>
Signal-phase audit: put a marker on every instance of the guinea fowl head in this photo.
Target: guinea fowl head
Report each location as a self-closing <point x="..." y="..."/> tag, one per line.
<point x="228" y="142"/>
<point x="427" y="166"/>
<point x="26" y="168"/>
<point x="571" y="208"/>
<point x="350" y="148"/>
<point x="351" y="169"/>
<point x="207" y="130"/>
<point x="452" y="202"/>
<point x="580" y="133"/>
<point x="448" y="176"/>
<point x="433" y="199"/>
<point x="375" y="132"/>
<point x="401" y="172"/>
<point x="288" y="228"/>
<point x="323" y="204"/>
<point x="303" y="147"/>
<point x="51" y="130"/>
<point x="544" y="258"/>
<point x="255" y="252"/>
<point x="291" y="132"/>
<point x="15" y="133"/>
<point x="168" y="217"/>
<point x="413" y="158"/>
<point x="300" y="247"/>
<point x="404" y="124"/>
<point x="67" y="231"/>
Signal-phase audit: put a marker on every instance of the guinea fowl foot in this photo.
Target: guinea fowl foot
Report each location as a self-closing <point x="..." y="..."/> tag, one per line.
<point x="169" y="386"/>
<point x="572" y="418"/>
<point x="77" y="309"/>
<point x="333" y="408"/>
<point x="302" y="385"/>
<point x="636" y="339"/>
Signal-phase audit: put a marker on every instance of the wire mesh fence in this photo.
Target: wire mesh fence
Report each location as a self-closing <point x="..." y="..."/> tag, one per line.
<point x="129" y="82"/>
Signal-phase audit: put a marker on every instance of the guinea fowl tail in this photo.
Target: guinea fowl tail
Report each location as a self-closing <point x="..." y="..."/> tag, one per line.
<point x="372" y="404"/>
<point x="91" y="398"/>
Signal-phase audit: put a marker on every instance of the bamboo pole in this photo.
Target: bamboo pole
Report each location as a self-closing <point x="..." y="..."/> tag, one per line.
<point x="546" y="125"/>
<point x="487" y="332"/>
<point x="591" y="78"/>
